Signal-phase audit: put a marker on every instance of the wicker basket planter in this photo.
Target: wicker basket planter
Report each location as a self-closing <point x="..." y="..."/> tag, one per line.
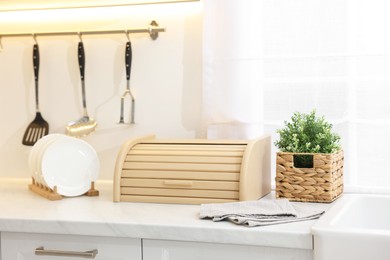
<point x="322" y="183"/>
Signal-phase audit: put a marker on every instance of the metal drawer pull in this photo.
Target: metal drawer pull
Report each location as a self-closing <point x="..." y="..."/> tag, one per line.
<point x="87" y="254"/>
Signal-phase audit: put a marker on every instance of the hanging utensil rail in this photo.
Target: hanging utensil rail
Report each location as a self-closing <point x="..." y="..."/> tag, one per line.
<point x="153" y="29"/>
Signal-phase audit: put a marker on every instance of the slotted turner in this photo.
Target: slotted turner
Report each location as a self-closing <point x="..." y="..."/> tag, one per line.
<point x="38" y="127"/>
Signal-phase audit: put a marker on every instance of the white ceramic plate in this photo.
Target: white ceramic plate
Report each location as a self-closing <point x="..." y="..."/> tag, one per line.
<point x="37" y="149"/>
<point x="54" y="138"/>
<point x="71" y="165"/>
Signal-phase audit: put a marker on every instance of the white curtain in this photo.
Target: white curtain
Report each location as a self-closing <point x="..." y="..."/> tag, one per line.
<point x="266" y="59"/>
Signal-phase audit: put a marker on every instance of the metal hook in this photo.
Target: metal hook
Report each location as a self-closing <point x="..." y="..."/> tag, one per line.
<point x="34" y="37"/>
<point x="127" y="35"/>
<point x="79" y="34"/>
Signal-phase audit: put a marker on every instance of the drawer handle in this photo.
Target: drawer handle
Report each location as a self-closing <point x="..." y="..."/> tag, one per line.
<point x="47" y="252"/>
<point x="179" y="183"/>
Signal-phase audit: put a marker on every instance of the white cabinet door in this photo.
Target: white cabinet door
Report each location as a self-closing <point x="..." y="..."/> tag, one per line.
<point x="175" y="250"/>
<point x="23" y="246"/>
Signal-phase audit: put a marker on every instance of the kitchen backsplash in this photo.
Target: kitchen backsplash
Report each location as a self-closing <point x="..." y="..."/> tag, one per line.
<point x="166" y="80"/>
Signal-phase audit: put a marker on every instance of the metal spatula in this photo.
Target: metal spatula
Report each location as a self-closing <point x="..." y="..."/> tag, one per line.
<point x="85" y="125"/>
<point x="38" y="127"/>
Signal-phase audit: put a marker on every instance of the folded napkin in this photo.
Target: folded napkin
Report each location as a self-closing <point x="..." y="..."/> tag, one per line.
<point x="261" y="212"/>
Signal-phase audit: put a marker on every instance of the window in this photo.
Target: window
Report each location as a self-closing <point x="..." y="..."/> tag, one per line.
<point x="277" y="57"/>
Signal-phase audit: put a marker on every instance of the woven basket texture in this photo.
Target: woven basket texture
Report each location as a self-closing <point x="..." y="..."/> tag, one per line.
<point x="322" y="183"/>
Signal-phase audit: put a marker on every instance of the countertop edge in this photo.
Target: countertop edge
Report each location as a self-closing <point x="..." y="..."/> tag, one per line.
<point x="101" y="217"/>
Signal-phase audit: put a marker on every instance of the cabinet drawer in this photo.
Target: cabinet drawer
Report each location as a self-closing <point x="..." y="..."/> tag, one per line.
<point x="23" y="246"/>
<point x="179" y="250"/>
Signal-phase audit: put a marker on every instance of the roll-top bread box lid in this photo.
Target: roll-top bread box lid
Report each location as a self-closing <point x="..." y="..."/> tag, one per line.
<point x="192" y="171"/>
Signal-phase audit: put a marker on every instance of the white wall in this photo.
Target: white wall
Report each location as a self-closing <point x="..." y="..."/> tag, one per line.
<point x="166" y="77"/>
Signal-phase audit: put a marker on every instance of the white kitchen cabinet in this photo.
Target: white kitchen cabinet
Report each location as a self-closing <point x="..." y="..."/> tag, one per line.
<point x="178" y="250"/>
<point x="23" y="246"/>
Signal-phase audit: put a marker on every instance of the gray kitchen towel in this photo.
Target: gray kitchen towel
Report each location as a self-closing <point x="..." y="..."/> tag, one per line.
<point x="261" y="212"/>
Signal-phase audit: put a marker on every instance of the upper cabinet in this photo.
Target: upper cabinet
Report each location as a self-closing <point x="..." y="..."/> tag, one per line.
<point x="11" y="5"/>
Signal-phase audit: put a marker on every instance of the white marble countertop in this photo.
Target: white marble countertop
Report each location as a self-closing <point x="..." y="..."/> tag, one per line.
<point x="24" y="211"/>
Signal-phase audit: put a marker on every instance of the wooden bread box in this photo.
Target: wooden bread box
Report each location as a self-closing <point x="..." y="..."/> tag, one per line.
<point x="192" y="171"/>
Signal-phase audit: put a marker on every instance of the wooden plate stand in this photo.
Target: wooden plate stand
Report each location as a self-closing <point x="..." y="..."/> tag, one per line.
<point x="51" y="194"/>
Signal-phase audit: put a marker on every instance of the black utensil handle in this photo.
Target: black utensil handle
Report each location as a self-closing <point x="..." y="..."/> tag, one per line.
<point x="36" y="60"/>
<point x="81" y="56"/>
<point x="128" y="59"/>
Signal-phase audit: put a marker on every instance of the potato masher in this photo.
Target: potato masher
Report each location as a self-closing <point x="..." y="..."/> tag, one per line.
<point x="128" y="61"/>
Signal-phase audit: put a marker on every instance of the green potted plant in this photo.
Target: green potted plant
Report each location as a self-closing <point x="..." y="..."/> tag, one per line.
<point x="310" y="161"/>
